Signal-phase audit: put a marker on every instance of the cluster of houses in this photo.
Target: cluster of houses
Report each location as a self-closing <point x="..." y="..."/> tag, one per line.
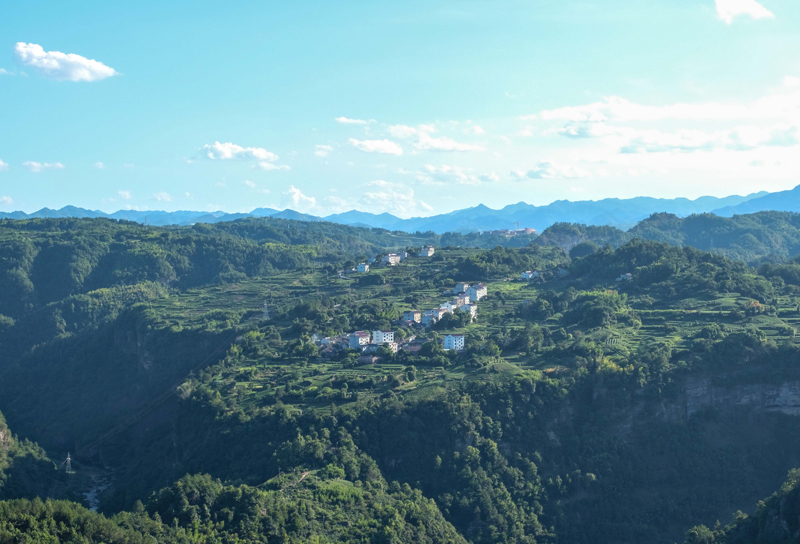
<point x="393" y="259"/>
<point x="466" y="300"/>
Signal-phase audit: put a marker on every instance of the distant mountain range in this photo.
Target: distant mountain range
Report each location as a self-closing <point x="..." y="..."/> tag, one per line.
<point x="622" y="213"/>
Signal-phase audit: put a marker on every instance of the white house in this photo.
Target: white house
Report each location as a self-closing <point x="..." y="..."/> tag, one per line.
<point x="403" y="255"/>
<point x="359" y="339"/>
<point x="363" y="267"/>
<point x="454" y="341"/>
<point x="392" y="259"/>
<point x="382" y="337"/>
<point x="530" y="275"/>
<point x="412" y="316"/>
<point x="625" y="277"/>
<point x="477" y="292"/>
<point x="472" y="309"/>
<point x="461" y="300"/>
<point x="460" y="287"/>
<point x="429" y="319"/>
<point x="426" y="251"/>
<point x="448" y="307"/>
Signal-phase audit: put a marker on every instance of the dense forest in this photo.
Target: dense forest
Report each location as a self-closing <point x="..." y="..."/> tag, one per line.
<point x="764" y="237"/>
<point x="642" y="385"/>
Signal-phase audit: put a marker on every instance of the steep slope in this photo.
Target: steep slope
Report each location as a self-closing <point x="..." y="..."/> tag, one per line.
<point x="25" y="470"/>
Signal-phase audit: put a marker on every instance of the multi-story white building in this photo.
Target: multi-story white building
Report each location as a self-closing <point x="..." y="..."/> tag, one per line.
<point x="461" y="300"/>
<point x="412" y="316"/>
<point x="382" y="337"/>
<point x="460" y="287"/>
<point x="392" y="259"/>
<point x="363" y="267"/>
<point x="427" y="251"/>
<point x="359" y="339"/>
<point x="448" y="307"/>
<point x="477" y="292"/>
<point x="530" y="275"/>
<point x="454" y="341"/>
<point x="472" y="309"/>
<point x="429" y="319"/>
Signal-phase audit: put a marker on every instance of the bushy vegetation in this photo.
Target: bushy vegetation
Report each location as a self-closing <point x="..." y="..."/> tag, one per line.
<point x="585" y="407"/>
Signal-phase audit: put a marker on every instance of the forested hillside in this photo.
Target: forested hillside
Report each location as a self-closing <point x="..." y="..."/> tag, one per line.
<point x="755" y="239"/>
<point x="629" y="391"/>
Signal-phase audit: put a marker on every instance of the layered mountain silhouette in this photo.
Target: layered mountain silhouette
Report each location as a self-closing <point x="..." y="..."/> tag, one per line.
<point x="622" y="213"/>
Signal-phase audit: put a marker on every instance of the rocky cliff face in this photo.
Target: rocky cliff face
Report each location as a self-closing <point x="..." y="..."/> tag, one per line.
<point x="700" y="393"/>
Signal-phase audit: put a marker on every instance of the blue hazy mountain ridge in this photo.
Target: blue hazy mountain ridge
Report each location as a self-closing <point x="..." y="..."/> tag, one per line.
<point x="781" y="201"/>
<point x="622" y="213"/>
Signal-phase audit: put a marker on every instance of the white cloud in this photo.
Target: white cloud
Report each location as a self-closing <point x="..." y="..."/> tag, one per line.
<point x="550" y="170"/>
<point x="474" y="129"/>
<point x="3" y="165"/>
<point x="124" y="194"/>
<point x="730" y="9"/>
<point x="322" y="150"/>
<point x="268" y="166"/>
<point x="4" y="72"/>
<point x="6" y="200"/>
<point x="402" y="131"/>
<point x="395" y="198"/>
<point x="230" y="150"/>
<point x="37" y="167"/>
<point x="427" y="142"/>
<point x="61" y="66"/>
<point x="453" y="175"/>
<point x="99" y="165"/>
<point x="250" y="184"/>
<point x="294" y="199"/>
<point x="188" y="195"/>
<point x="346" y="121"/>
<point x="163" y="197"/>
<point x="386" y="147"/>
<point x="633" y="140"/>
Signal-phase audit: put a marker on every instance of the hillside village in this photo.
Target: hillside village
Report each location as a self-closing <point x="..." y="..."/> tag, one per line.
<point x="370" y="345"/>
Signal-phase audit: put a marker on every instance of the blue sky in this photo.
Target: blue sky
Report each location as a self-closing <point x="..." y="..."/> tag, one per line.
<point x="408" y="107"/>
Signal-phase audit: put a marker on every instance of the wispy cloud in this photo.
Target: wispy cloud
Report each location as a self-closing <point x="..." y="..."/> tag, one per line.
<point x="6" y="200"/>
<point x="3" y="165"/>
<point x="4" y="72"/>
<point x="386" y="147"/>
<point x="395" y="198"/>
<point x="322" y="150"/>
<point x="429" y="143"/>
<point x="728" y="10"/>
<point x="126" y="195"/>
<point x="99" y="165"/>
<point x="61" y="66"/>
<point x="550" y="170"/>
<point x="347" y="121"/>
<point x="230" y="151"/>
<point x="453" y="175"/>
<point x="162" y="197"/>
<point x="37" y="167"/>
<point x="250" y="184"/>
<point x="294" y="199"/>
